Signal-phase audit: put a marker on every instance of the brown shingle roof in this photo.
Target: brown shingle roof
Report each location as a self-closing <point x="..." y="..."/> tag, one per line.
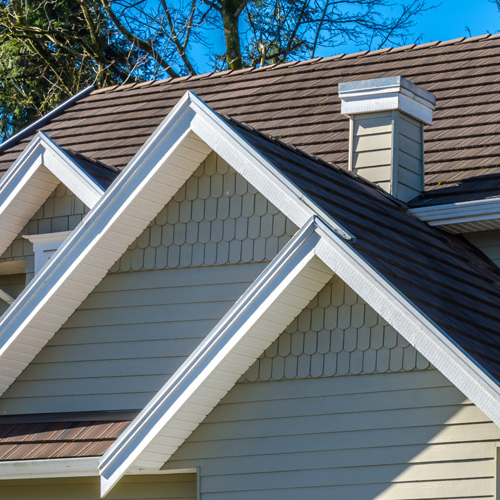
<point x="60" y="436"/>
<point x="446" y="277"/>
<point x="298" y="103"/>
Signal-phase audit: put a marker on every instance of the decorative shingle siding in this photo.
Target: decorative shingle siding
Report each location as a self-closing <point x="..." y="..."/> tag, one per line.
<point x="336" y="334"/>
<point x="216" y="218"/>
<point x="62" y="211"/>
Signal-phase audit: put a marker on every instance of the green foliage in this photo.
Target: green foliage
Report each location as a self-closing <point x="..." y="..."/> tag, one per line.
<point x="50" y="50"/>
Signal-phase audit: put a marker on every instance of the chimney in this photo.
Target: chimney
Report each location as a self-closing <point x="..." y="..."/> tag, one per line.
<point x="386" y="136"/>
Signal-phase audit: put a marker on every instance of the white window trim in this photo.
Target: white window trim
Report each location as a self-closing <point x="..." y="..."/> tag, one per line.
<point x="45" y="243"/>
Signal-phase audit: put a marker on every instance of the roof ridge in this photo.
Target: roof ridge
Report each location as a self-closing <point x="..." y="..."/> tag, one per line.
<point x="316" y="159"/>
<point x="316" y="60"/>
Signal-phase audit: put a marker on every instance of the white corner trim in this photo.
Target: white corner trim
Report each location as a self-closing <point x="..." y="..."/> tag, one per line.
<point x="58" y="467"/>
<point x="218" y="362"/>
<point x="47" y="237"/>
<point x="466" y="212"/>
<point x="408" y="320"/>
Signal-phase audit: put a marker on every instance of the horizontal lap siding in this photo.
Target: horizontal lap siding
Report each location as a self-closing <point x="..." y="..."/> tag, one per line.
<point x="162" y="487"/>
<point x="406" y="435"/>
<point x="126" y="339"/>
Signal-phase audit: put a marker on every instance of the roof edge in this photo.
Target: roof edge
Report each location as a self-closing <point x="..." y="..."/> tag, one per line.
<point x="43" y="120"/>
<point x="465" y="216"/>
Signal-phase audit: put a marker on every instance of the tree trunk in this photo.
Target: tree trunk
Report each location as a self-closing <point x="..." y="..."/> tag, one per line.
<point x="231" y="10"/>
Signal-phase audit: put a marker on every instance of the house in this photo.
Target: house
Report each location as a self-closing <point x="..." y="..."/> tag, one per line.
<point x="241" y="286"/>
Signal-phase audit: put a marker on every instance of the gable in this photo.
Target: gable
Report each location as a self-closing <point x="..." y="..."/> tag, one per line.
<point x="158" y="301"/>
<point x="337" y="334"/>
<point x="340" y="405"/>
<point x="62" y="211"/>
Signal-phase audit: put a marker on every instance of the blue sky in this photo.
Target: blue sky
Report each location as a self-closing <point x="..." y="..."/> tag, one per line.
<point x="450" y="19"/>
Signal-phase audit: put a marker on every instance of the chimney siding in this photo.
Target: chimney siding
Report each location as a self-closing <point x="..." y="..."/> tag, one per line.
<point x="386" y="145"/>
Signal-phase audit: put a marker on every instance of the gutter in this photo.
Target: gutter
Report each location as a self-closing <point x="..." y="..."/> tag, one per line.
<point x="468" y="216"/>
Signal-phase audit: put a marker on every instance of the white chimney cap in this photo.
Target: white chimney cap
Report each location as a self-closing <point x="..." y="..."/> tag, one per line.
<point x="387" y="94"/>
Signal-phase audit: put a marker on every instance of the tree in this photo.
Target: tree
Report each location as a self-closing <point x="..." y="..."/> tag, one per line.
<point x="51" y="49"/>
<point x="259" y="32"/>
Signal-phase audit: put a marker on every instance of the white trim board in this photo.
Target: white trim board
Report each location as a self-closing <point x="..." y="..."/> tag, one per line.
<point x="462" y="217"/>
<point x="67" y="467"/>
<point x="261" y="314"/>
<point x="32" y="179"/>
<point x="150" y="180"/>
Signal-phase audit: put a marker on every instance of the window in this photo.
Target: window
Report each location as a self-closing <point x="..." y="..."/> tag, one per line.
<point x="45" y="245"/>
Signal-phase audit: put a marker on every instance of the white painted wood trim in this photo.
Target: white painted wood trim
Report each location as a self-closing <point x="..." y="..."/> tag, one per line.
<point x="225" y="342"/>
<point x="6" y="297"/>
<point x="44" y="243"/>
<point x="67" y="467"/>
<point x="409" y="321"/>
<point x="468" y="214"/>
<point x="35" y="174"/>
<point x="59" y="467"/>
<point x="47" y="237"/>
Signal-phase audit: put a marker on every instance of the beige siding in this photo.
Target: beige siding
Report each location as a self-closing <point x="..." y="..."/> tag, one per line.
<point x="389" y="429"/>
<point x="488" y="242"/>
<point x="336" y="334"/>
<point x="162" y="487"/>
<point x="407" y="435"/>
<point x="371" y="149"/>
<point x="126" y="339"/>
<point x="216" y="218"/>
<point x="409" y="157"/>
<point x="382" y="142"/>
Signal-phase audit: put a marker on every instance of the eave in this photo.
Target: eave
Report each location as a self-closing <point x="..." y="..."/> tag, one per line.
<point x="463" y="217"/>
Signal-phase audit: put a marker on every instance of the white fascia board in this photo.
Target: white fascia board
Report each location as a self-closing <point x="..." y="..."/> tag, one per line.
<point x="32" y="178"/>
<point x="66" y="467"/>
<point x="145" y="186"/>
<point x="58" y="467"/>
<point x="455" y="214"/>
<point x="221" y="358"/>
<point x="409" y="321"/>
<point x="256" y="169"/>
<point x="154" y="175"/>
<point x="42" y="150"/>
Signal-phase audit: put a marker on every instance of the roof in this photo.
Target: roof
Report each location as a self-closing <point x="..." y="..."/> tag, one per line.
<point x="298" y="103"/>
<point x="49" y="436"/>
<point x="445" y="276"/>
<point x="415" y="276"/>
